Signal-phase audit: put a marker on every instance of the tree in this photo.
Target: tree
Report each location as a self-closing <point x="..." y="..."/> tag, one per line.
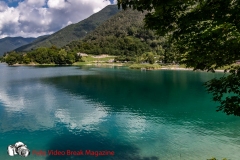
<point x="1" y="59"/>
<point x="26" y="59"/>
<point x="62" y="54"/>
<point x="70" y="59"/>
<point x="207" y="35"/>
<point x="10" y="60"/>
<point x="42" y="55"/>
<point x="150" y="58"/>
<point x="13" y="58"/>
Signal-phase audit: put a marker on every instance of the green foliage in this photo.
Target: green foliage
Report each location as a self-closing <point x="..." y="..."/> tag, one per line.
<point x="145" y="66"/>
<point x="227" y="91"/>
<point x="150" y="58"/>
<point x="70" y="59"/>
<point x="124" y="59"/>
<point x="206" y="33"/>
<point x="26" y="59"/>
<point x="216" y="159"/>
<point x="61" y="58"/>
<point x="147" y="57"/>
<point x="43" y="55"/>
<point x="128" y="46"/>
<point x="123" y="35"/>
<point x="171" y="55"/>
<point x="13" y="58"/>
<point x="2" y="59"/>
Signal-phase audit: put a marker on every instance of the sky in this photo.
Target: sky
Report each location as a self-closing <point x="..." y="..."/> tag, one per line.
<point x="34" y="18"/>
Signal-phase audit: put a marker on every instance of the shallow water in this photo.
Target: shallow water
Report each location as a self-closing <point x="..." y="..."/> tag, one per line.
<point x="139" y="115"/>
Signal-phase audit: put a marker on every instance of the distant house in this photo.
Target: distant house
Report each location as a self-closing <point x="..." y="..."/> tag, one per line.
<point x="82" y="54"/>
<point x="110" y="60"/>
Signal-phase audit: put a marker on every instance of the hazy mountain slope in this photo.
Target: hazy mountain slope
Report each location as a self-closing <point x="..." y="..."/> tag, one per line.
<point x="33" y="44"/>
<point x="74" y="31"/>
<point x="11" y="43"/>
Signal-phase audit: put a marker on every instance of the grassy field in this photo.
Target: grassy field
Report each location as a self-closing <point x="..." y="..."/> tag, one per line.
<point x="91" y="58"/>
<point x="101" y="60"/>
<point x="145" y="66"/>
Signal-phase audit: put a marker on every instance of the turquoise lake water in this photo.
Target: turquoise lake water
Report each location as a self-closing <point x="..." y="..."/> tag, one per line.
<point x="153" y="115"/>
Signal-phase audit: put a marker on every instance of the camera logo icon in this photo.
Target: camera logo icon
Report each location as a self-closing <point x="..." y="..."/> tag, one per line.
<point x="18" y="149"/>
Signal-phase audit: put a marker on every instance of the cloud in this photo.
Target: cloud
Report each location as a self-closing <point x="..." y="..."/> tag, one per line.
<point x="3" y="6"/>
<point x="37" y="3"/>
<point x="57" y="4"/>
<point x="32" y="18"/>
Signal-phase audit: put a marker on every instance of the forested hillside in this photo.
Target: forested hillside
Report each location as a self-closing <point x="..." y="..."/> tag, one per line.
<point x="123" y="34"/>
<point x="74" y="31"/>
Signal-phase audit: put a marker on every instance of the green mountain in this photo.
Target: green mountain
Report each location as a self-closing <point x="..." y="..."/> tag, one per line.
<point x="11" y="43"/>
<point x="123" y="34"/>
<point x="74" y="31"/>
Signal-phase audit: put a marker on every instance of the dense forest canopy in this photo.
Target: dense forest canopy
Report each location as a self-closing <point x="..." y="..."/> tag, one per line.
<point x="124" y="35"/>
<point x="207" y="35"/>
<point x="52" y="55"/>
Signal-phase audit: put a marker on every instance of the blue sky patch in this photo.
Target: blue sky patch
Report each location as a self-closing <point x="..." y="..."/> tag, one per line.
<point x="13" y="3"/>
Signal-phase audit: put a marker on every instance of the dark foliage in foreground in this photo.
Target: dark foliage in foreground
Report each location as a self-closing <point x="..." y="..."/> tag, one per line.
<point x="226" y="90"/>
<point x="207" y="35"/>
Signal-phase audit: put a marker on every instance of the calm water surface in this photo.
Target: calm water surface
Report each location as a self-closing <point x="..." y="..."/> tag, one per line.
<point x="139" y="115"/>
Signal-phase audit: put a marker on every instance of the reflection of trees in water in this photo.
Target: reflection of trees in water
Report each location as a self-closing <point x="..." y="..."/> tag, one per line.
<point x="175" y="97"/>
<point x="95" y="142"/>
<point x="139" y="92"/>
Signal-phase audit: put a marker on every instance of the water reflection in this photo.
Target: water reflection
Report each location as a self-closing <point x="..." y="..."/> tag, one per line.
<point x="163" y="111"/>
<point x="150" y="115"/>
<point x="143" y="95"/>
<point x="40" y="104"/>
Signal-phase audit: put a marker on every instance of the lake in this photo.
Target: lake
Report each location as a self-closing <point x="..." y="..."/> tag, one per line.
<point x="142" y="115"/>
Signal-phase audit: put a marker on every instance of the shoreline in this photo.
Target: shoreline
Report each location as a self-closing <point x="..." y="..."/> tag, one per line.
<point x="34" y="64"/>
<point x="189" y="69"/>
<point x="112" y="65"/>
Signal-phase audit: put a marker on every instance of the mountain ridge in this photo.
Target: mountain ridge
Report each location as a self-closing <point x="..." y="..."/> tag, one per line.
<point x="10" y="43"/>
<point x="74" y="31"/>
<point x="123" y="34"/>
